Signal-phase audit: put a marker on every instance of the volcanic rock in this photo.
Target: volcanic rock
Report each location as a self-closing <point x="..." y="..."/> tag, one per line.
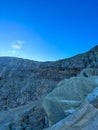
<point x="67" y="97"/>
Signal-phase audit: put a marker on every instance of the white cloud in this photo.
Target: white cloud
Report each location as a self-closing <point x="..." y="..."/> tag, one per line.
<point x="20" y="42"/>
<point x="17" y="46"/>
<point x="13" y="51"/>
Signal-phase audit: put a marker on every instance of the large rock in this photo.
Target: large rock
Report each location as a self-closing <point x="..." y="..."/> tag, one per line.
<point x="84" y="118"/>
<point x="67" y="97"/>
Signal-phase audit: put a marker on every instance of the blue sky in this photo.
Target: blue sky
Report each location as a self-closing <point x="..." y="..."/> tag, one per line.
<point x="47" y="29"/>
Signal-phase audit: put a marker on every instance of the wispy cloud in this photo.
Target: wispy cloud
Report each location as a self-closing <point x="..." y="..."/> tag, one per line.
<point x="16" y="46"/>
<point x="20" y="42"/>
<point x="13" y="51"/>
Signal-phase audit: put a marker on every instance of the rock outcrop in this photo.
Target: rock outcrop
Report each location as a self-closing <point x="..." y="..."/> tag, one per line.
<point x="89" y="72"/>
<point x="84" y="118"/>
<point x="68" y="96"/>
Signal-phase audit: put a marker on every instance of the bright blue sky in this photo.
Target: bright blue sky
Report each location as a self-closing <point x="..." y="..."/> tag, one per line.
<point x="47" y="29"/>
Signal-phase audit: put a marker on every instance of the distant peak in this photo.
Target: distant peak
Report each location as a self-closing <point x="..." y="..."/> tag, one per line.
<point x="95" y="48"/>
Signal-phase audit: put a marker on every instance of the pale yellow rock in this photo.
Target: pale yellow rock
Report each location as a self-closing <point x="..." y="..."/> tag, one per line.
<point x="68" y="96"/>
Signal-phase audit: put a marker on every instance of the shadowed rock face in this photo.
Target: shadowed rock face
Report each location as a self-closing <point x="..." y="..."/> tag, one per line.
<point x="23" y="81"/>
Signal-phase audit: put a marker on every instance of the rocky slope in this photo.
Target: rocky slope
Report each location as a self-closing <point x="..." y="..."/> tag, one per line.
<point x="23" y="81"/>
<point x="26" y="80"/>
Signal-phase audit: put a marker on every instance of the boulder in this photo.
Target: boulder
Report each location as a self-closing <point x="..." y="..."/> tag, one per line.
<point x="84" y="118"/>
<point x="67" y="97"/>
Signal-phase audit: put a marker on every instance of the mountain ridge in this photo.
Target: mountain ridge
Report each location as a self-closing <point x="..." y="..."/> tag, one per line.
<point x="92" y="49"/>
<point x="23" y="81"/>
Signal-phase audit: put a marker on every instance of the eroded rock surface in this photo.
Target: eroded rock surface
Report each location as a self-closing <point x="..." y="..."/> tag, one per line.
<point x="67" y="97"/>
<point x="89" y="72"/>
<point x="28" y="117"/>
<point x="84" y="118"/>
